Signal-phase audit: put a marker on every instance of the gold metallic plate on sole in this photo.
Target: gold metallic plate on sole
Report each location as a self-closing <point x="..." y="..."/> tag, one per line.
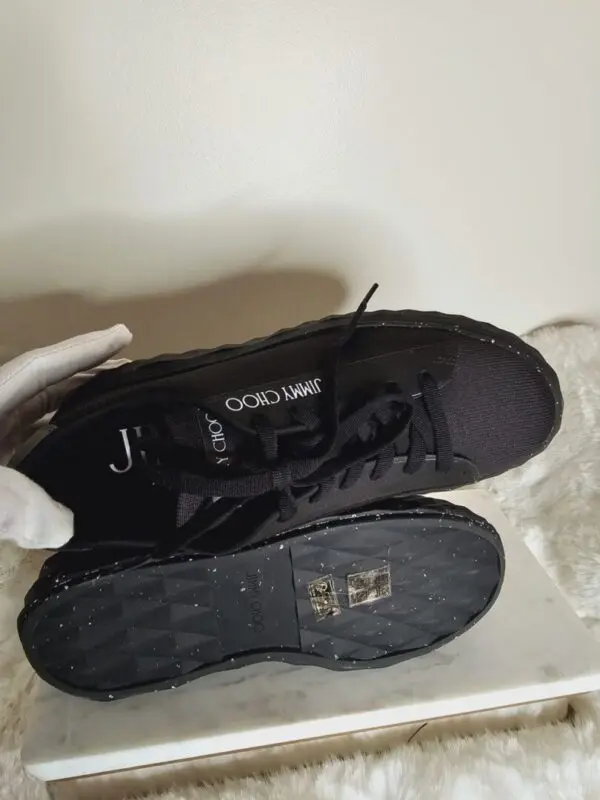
<point x="323" y="598"/>
<point x="369" y="586"/>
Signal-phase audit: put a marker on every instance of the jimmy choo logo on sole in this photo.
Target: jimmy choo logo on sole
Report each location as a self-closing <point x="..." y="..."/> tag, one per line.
<point x="255" y="606"/>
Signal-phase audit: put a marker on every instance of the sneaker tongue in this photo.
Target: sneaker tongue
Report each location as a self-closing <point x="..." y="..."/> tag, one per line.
<point x="197" y="428"/>
<point x="220" y="442"/>
<point x="273" y="401"/>
<point x="222" y="445"/>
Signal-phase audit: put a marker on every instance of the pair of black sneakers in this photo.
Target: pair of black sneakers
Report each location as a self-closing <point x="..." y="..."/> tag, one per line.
<point x="260" y="501"/>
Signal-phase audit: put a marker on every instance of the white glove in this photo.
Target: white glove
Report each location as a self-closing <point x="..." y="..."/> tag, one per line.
<point x="32" y="387"/>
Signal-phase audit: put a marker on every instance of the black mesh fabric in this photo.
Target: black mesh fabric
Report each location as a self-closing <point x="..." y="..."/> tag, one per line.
<point x="498" y="405"/>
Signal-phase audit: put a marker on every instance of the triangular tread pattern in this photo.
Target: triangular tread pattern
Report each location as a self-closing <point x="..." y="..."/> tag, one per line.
<point x="162" y="625"/>
<point x="439" y="582"/>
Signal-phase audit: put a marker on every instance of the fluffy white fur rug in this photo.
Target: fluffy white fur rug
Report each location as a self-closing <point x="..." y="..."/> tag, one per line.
<point x="555" y="503"/>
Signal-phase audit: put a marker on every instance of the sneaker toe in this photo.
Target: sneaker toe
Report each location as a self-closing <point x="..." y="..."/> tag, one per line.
<point x="503" y="405"/>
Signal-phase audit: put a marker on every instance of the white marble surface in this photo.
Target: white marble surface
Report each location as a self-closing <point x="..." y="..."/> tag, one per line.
<point x="529" y="647"/>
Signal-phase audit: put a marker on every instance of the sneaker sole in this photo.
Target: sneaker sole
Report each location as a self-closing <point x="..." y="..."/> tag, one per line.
<point x="369" y="590"/>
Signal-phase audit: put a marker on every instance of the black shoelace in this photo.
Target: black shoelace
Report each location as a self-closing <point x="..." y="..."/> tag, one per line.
<point x="382" y="421"/>
<point x="316" y="451"/>
<point x="299" y="455"/>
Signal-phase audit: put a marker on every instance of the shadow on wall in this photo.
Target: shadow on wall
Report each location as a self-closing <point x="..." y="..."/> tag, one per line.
<point x="227" y="275"/>
<point x="226" y="311"/>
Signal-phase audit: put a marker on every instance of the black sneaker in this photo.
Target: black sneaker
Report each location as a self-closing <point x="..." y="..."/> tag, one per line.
<point x="367" y="589"/>
<point x="319" y="418"/>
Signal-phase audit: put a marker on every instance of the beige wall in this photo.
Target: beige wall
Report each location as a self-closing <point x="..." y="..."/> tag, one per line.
<point x="260" y="162"/>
